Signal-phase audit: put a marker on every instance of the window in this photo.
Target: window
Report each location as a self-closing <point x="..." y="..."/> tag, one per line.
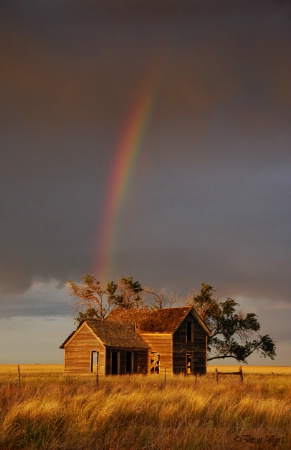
<point x="190" y="332"/>
<point x="94" y="361"/>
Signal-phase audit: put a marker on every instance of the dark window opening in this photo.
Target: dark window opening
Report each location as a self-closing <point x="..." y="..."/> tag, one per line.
<point x="190" y="332"/>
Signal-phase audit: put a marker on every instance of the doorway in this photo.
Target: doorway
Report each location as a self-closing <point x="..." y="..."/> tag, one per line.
<point x="129" y="362"/>
<point x="189" y="363"/>
<point x="115" y="363"/>
<point x="155" y="363"/>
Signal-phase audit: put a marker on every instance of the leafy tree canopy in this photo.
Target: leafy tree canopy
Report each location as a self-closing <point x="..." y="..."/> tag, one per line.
<point x="230" y="328"/>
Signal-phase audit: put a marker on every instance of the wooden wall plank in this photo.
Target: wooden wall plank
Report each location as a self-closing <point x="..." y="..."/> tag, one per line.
<point x="163" y="345"/>
<point x="78" y="353"/>
<point x="197" y="348"/>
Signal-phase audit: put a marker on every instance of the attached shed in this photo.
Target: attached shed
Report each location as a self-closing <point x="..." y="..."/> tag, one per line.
<point x="139" y="341"/>
<point x="114" y="347"/>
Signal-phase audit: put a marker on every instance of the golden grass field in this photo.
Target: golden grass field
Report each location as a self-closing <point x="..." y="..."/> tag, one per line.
<point x="50" y="411"/>
<point x="34" y="369"/>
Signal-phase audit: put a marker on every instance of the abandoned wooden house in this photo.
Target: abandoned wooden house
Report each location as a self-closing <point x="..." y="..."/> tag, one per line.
<point x="139" y="341"/>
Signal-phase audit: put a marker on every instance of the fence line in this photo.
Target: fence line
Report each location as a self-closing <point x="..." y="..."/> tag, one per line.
<point x="240" y="373"/>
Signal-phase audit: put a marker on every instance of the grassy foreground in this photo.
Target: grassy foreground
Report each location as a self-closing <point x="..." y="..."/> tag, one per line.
<point x="50" y="411"/>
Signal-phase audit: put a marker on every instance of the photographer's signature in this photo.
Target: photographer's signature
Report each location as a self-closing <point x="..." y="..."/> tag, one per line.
<point x="268" y="439"/>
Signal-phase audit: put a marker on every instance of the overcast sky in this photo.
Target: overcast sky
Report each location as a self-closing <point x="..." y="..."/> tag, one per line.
<point x="209" y="196"/>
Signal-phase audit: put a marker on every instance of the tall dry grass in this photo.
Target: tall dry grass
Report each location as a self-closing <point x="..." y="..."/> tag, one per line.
<point x="144" y="412"/>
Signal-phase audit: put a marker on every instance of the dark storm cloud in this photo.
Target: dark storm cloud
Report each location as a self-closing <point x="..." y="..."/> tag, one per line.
<point x="48" y="208"/>
<point x="210" y="194"/>
<point x="63" y="68"/>
<point x="48" y="298"/>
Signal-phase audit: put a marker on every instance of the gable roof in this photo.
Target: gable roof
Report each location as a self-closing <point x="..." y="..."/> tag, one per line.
<point x="113" y="334"/>
<point x="164" y="320"/>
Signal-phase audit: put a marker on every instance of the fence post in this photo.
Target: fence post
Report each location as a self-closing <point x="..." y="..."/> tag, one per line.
<point x="97" y="375"/>
<point x="241" y="374"/>
<point x="18" y="369"/>
<point x="216" y="374"/>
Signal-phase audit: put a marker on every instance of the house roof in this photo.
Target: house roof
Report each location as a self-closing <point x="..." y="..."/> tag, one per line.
<point x="164" y="320"/>
<point x="113" y="334"/>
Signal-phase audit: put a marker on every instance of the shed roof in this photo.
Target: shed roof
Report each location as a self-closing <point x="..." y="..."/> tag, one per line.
<point x="164" y="320"/>
<point x="113" y="334"/>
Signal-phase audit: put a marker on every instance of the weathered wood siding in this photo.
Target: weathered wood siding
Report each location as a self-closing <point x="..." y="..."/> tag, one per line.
<point x="141" y="361"/>
<point x="197" y="348"/>
<point x="188" y="346"/>
<point x="163" y="345"/>
<point x="200" y="352"/>
<point x="78" y="352"/>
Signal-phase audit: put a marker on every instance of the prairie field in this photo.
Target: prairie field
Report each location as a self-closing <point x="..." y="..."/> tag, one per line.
<point x="40" y="408"/>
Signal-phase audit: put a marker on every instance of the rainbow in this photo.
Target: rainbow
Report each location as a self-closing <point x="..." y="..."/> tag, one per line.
<point x="125" y="158"/>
